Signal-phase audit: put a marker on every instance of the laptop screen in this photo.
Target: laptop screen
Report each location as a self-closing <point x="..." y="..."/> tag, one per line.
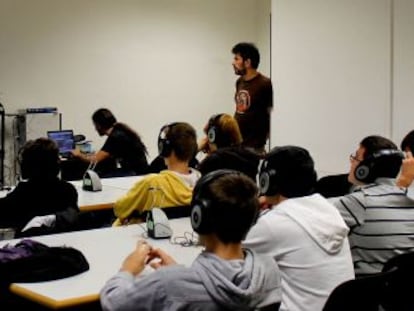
<point x="64" y="139"/>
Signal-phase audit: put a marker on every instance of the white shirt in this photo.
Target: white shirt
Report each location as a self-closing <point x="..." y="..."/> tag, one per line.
<point x="307" y="237"/>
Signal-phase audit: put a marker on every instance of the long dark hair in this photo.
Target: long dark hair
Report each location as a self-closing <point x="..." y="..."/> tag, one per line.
<point x="135" y="135"/>
<point x="105" y="119"/>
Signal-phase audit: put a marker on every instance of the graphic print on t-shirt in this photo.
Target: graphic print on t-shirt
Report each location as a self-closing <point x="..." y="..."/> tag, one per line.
<point x="242" y="101"/>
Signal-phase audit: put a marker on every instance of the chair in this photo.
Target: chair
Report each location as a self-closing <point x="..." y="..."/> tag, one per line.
<point x="399" y="295"/>
<point x="389" y="290"/>
<point x="362" y="294"/>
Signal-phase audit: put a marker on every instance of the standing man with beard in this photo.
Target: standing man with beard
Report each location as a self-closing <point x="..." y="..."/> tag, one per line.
<point x="253" y="97"/>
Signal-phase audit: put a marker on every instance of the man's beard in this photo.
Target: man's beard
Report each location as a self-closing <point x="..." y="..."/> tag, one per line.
<point x="239" y="72"/>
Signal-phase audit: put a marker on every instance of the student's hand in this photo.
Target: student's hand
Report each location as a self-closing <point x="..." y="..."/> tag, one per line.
<point x="407" y="171"/>
<point x="203" y="145"/>
<point x="136" y="261"/>
<point x="159" y="259"/>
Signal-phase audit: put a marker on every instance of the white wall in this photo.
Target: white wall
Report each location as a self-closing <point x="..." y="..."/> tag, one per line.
<point x="403" y="69"/>
<point x="151" y="62"/>
<point x="331" y="68"/>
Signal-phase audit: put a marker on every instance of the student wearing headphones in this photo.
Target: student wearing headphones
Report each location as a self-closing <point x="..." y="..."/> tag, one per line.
<point x="302" y="231"/>
<point x="222" y="145"/>
<point x="223" y="277"/>
<point x="177" y="143"/>
<point x="379" y="214"/>
<point x="221" y="131"/>
<point x="123" y="152"/>
<point x="40" y="194"/>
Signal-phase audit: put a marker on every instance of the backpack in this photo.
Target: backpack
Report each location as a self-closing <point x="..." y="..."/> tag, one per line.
<point x="32" y="261"/>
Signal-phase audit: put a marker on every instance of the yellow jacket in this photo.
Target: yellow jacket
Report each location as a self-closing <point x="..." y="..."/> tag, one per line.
<point x="165" y="189"/>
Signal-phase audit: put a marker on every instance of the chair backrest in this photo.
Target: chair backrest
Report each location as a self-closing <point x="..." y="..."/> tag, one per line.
<point x="362" y="294"/>
<point x="399" y="295"/>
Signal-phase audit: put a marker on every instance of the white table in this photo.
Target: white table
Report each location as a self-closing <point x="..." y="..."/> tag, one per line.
<point x="98" y="200"/>
<point x="105" y="250"/>
<point x="112" y="190"/>
<point x="125" y="183"/>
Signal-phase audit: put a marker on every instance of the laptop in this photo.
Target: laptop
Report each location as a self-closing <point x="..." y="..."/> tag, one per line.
<point x="65" y="141"/>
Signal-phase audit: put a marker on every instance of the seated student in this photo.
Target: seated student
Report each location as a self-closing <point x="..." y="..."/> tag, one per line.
<point x="223" y="277"/>
<point x="177" y="143"/>
<point x="407" y="144"/>
<point x="221" y="131"/>
<point x="123" y="152"/>
<point x="40" y="193"/>
<point x="378" y="212"/>
<point x="407" y="169"/>
<point x="223" y="147"/>
<point x="303" y="232"/>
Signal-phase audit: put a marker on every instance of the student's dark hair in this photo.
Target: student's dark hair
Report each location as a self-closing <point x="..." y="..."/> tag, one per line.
<point x="234" y="206"/>
<point x="408" y="142"/>
<point x="39" y="159"/>
<point x="183" y="140"/>
<point x="248" y="51"/>
<point x="386" y="166"/>
<point x="291" y="171"/>
<point x="104" y="118"/>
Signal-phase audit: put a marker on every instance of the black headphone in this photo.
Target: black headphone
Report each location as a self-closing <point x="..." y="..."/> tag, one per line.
<point x="366" y="170"/>
<point x="214" y="134"/>
<point x="165" y="146"/>
<point x="201" y="204"/>
<point x="268" y="179"/>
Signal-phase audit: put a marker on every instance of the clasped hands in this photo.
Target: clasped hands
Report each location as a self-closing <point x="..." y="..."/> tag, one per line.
<point x="145" y="254"/>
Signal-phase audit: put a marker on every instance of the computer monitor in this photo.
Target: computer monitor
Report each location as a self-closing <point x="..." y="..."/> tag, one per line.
<point x="64" y="139"/>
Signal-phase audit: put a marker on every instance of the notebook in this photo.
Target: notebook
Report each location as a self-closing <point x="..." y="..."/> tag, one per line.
<point x="65" y="141"/>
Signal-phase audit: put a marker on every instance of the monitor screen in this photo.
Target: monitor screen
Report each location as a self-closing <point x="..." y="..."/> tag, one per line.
<point x="64" y="139"/>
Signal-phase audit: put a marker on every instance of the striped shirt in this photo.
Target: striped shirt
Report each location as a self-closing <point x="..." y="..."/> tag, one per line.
<point x="381" y="221"/>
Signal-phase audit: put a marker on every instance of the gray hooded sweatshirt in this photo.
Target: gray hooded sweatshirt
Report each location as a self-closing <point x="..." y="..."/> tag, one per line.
<point x="211" y="283"/>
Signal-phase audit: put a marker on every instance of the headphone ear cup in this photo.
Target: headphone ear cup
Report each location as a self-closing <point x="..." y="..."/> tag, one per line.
<point x="200" y="219"/>
<point x="362" y="171"/>
<point x="211" y="134"/>
<point x="196" y="217"/>
<point x="264" y="182"/>
<point x="164" y="147"/>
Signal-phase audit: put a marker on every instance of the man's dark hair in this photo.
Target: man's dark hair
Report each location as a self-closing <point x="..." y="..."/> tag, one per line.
<point x="408" y="142"/>
<point x="39" y="159"/>
<point x="183" y="140"/>
<point x="248" y="51"/>
<point x="104" y="118"/>
<point x="234" y="206"/>
<point x="385" y="166"/>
